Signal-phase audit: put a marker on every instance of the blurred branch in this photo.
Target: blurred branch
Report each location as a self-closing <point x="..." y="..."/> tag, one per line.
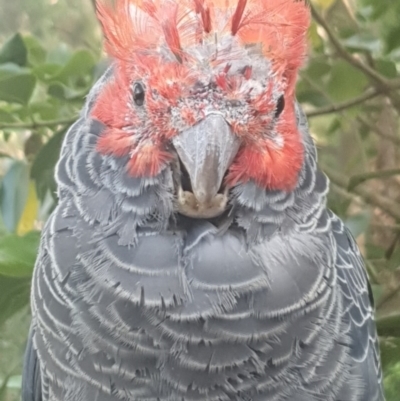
<point x="369" y="94"/>
<point x="381" y="83"/>
<point x="372" y="273"/>
<point x="393" y="227"/>
<point x="377" y="130"/>
<point x="360" y="178"/>
<point x="37" y="124"/>
<point x="346" y="195"/>
<point x="370" y="197"/>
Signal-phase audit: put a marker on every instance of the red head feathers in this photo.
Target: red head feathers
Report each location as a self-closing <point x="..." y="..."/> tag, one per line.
<point x="170" y="45"/>
<point x="137" y="27"/>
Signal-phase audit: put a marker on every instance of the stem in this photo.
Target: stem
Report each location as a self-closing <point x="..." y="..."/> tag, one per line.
<point x="37" y="124"/>
<point x="344" y="54"/>
<point x="369" y="94"/>
<point x="360" y="178"/>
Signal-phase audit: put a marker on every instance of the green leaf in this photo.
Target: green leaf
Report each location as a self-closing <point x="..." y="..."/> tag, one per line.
<point x="314" y="37"/>
<point x="340" y="16"/>
<point x="60" y="91"/>
<point x="324" y="4"/>
<point x="312" y="97"/>
<point x="390" y="351"/>
<point x="36" y="52"/>
<point x="14" y="192"/>
<point x="364" y="41"/>
<point x="358" y="223"/>
<point x="18" y="254"/>
<point x="318" y="69"/>
<point x="14" y="295"/>
<point x="307" y="94"/>
<point x="386" y="67"/>
<point x="100" y="68"/>
<point x="366" y="12"/>
<point x="334" y="126"/>
<point x="9" y="70"/>
<point x="14" y="51"/>
<point x="43" y="166"/>
<point x="15" y="382"/>
<point x="393" y="39"/>
<point x="345" y="82"/>
<point x="46" y="72"/>
<point x="82" y="62"/>
<point x="16" y="84"/>
<point x="60" y="55"/>
<point x="48" y="109"/>
<point x="392" y="382"/>
<point x="6" y="117"/>
<point x="373" y="10"/>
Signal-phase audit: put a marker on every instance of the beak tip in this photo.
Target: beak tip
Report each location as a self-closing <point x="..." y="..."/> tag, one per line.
<point x="203" y="196"/>
<point x="206" y="151"/>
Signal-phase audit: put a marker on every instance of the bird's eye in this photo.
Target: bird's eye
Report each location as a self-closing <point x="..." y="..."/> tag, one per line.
<point x="280" y="105"/>
<point x="138" y="94"/>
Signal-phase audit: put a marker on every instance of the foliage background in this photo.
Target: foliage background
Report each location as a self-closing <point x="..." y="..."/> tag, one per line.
<point x="50" y="55"/>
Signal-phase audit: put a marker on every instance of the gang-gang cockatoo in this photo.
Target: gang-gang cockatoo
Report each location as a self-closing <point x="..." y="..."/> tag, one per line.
<point x="191" y="256"/>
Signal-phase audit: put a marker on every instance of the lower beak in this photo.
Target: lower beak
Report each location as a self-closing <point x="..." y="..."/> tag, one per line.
<point x="206" y="151"/>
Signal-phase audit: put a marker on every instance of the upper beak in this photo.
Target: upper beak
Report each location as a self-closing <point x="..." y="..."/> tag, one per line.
<point x="206" y="150"/>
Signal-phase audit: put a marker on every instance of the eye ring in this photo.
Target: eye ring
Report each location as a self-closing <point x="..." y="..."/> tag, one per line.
<point x="138" y="93"/>
<point x="280" y="105"/>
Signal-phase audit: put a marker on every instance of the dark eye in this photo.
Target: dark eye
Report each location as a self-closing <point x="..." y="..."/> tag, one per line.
<point x="138" y="94"/>
<point x="280" y="105"/>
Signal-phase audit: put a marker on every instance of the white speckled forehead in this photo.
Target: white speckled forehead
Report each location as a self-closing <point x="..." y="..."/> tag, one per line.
<point x="216" y="52"/>
<point x="209" y="59"/>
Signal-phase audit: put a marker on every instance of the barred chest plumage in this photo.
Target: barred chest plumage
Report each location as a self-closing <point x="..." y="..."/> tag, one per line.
<point x="132" y="302"/>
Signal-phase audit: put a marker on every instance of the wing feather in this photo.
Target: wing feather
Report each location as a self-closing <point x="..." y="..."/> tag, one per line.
<point x="31" y="377"/>
<point x="358" y="310"/>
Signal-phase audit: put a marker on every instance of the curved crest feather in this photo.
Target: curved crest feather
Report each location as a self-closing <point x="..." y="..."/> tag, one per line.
<point x="136" y="27"/>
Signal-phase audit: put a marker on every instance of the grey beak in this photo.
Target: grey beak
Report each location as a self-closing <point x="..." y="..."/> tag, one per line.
<point x="206" y="150"/>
